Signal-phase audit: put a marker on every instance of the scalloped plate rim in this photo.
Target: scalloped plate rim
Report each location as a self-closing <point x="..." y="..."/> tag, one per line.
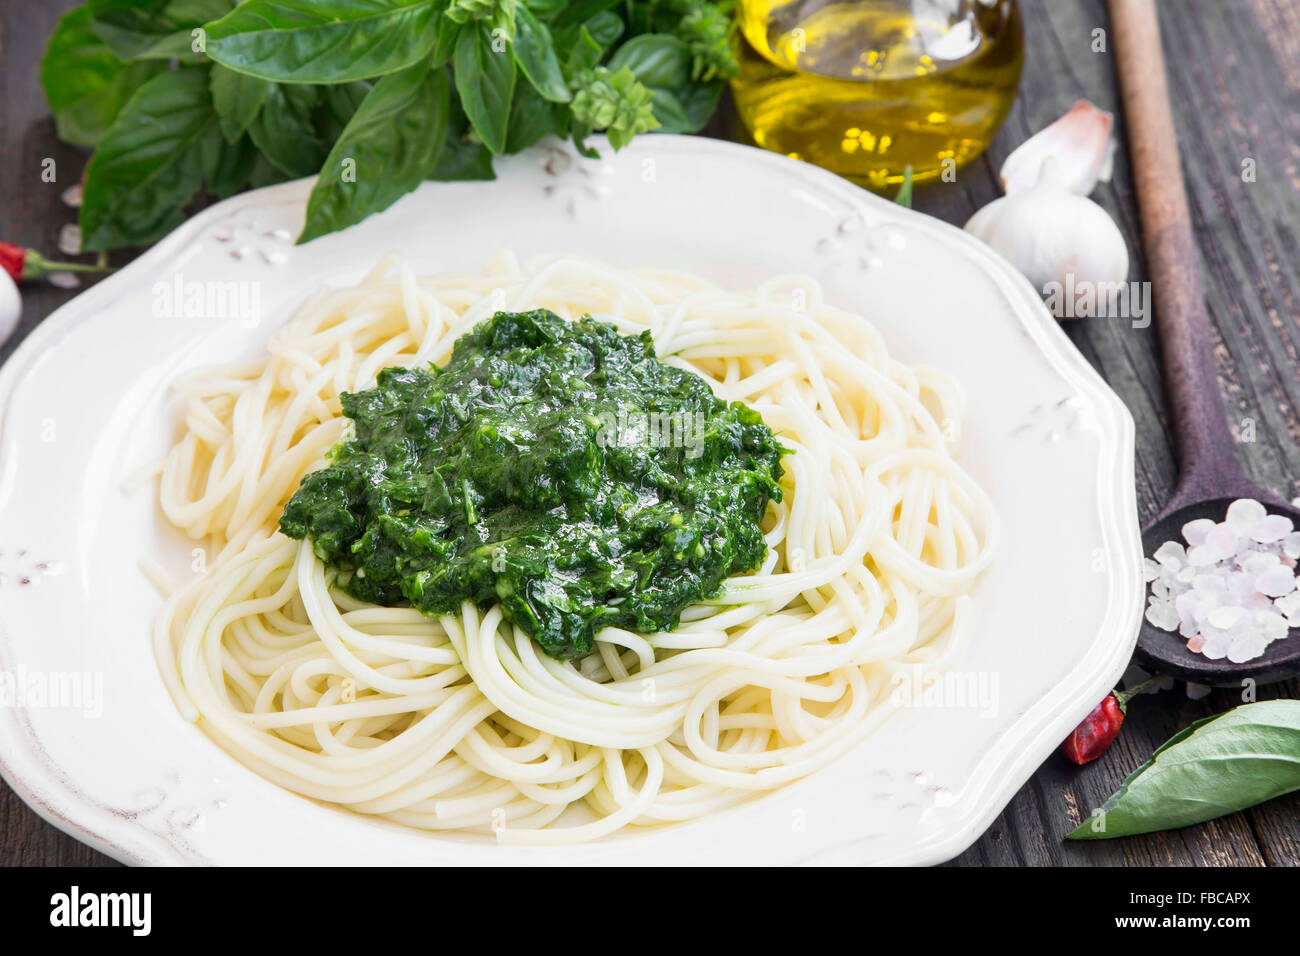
<point x="1012" y="758"/>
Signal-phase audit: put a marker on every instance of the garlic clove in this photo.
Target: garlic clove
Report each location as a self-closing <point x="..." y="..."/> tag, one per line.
<point x="1079" y="141"/>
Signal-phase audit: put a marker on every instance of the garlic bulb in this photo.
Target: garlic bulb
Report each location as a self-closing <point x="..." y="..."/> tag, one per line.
<point x="1053" y="235"/>
<point x="11" y="306"/>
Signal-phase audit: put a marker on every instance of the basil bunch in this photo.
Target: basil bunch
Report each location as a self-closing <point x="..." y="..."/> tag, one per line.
<point x="177" y="96"/>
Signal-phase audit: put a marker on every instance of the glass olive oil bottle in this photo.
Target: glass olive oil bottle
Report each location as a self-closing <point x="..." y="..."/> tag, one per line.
<point x="867" y="87"/>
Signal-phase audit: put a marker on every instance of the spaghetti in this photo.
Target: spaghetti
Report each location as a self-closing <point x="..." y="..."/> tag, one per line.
<point x="460" y="722"/>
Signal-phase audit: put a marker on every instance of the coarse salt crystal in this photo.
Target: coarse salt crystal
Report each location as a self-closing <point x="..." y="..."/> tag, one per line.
<point x="1210" y="583"/>
<point x="1289" y="606"/>
<point x="1270" y="528"/>
<point x="1216" y="644"/>
<point x="1271" y="625"/>
<point x="1186" y="603"/>
<point x="1276" y="581"/>
<point x="1225" y="617"/>
<point x="1246" y="648"/>
<point x="1291" y="545"/>
<point x="1257" y="562"/>
<point x="1243" y="513"/>
<point x="1195" y="532"/>
<point x="1171" y="553"/>
<point x="1161" y="614"/>
<point x="1222" y="541"/>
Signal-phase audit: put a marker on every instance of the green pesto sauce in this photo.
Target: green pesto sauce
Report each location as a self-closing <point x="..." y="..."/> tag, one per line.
<point x="555" y="467"/>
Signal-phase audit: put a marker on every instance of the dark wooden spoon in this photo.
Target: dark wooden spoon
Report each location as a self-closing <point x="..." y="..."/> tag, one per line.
<point x="1210" y="478"/>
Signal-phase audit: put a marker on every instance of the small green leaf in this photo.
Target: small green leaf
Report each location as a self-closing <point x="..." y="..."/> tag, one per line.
<point x="605" y="28"/>
<point x="85" y="83"/>
<point x="686" y="110"/>
<point x="282" y="129"/>
<point x="238" y="98"/>
<point x="1213" y="767"/>
<point x="389" y="147"/>
<point x="904" y="197"/>
<point x="616" y="102"/>
<point x="146" y="167"/>
<point x="325" y="41"/>
<point x="485" y="80"/>
<point x="658" y="60"/>
<point x="536" y="57"/>
<point x="585" y="53"/>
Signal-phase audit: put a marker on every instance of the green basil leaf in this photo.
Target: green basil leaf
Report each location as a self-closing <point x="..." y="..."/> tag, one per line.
<point x="325" y="41"/>
<point x="144" y="29"/>
<point x="531" y="118"/>
<point x="463" y="162"/>
<point x="1213" y="767"/>
<point x="85" y="83"/>
<point x="461" y="159"/>
<point x="585" y="52"/>
<point x="238" y="98"/>
<point x="579" y="11"/>
<point x="390" y="146"/>
<point x="146" y="167"/>
<point x="546" y="10"/>
<point x="669" y="111"/>
<point x="226" y="165"/>
<point x="605" y="28"/>
<point x="658" y="60"/>
<point x="337" y="107"/>
<point x="282" y="130"/>
<point x="536" y="57"/>
<point x="264" y="174"/>
<point x="445" y="47"/>
<point x="686" y="110"/>
<point x="199" y="12"/>
<point x="485" y="80"/>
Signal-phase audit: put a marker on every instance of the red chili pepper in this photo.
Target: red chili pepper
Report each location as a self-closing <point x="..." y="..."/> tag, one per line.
<point x="27" y="264"/>
<point x="1100" y="728"/>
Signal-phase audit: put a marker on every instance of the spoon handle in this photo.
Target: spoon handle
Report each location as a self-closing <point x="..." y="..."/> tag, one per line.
<point x="1207" y="463"/>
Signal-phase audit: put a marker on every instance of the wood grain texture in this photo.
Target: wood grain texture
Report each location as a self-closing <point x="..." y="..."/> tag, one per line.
<point x="1234" y="80"/>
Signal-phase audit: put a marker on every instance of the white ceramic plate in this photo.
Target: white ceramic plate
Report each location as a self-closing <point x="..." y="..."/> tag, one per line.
<point x="84" y="404"/>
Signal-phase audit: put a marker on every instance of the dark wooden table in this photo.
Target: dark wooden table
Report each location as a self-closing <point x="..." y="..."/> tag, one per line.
<point x="1235" y="79"/>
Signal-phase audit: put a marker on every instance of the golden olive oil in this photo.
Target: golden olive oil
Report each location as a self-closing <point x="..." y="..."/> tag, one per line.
<point x="867" y="87"/>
